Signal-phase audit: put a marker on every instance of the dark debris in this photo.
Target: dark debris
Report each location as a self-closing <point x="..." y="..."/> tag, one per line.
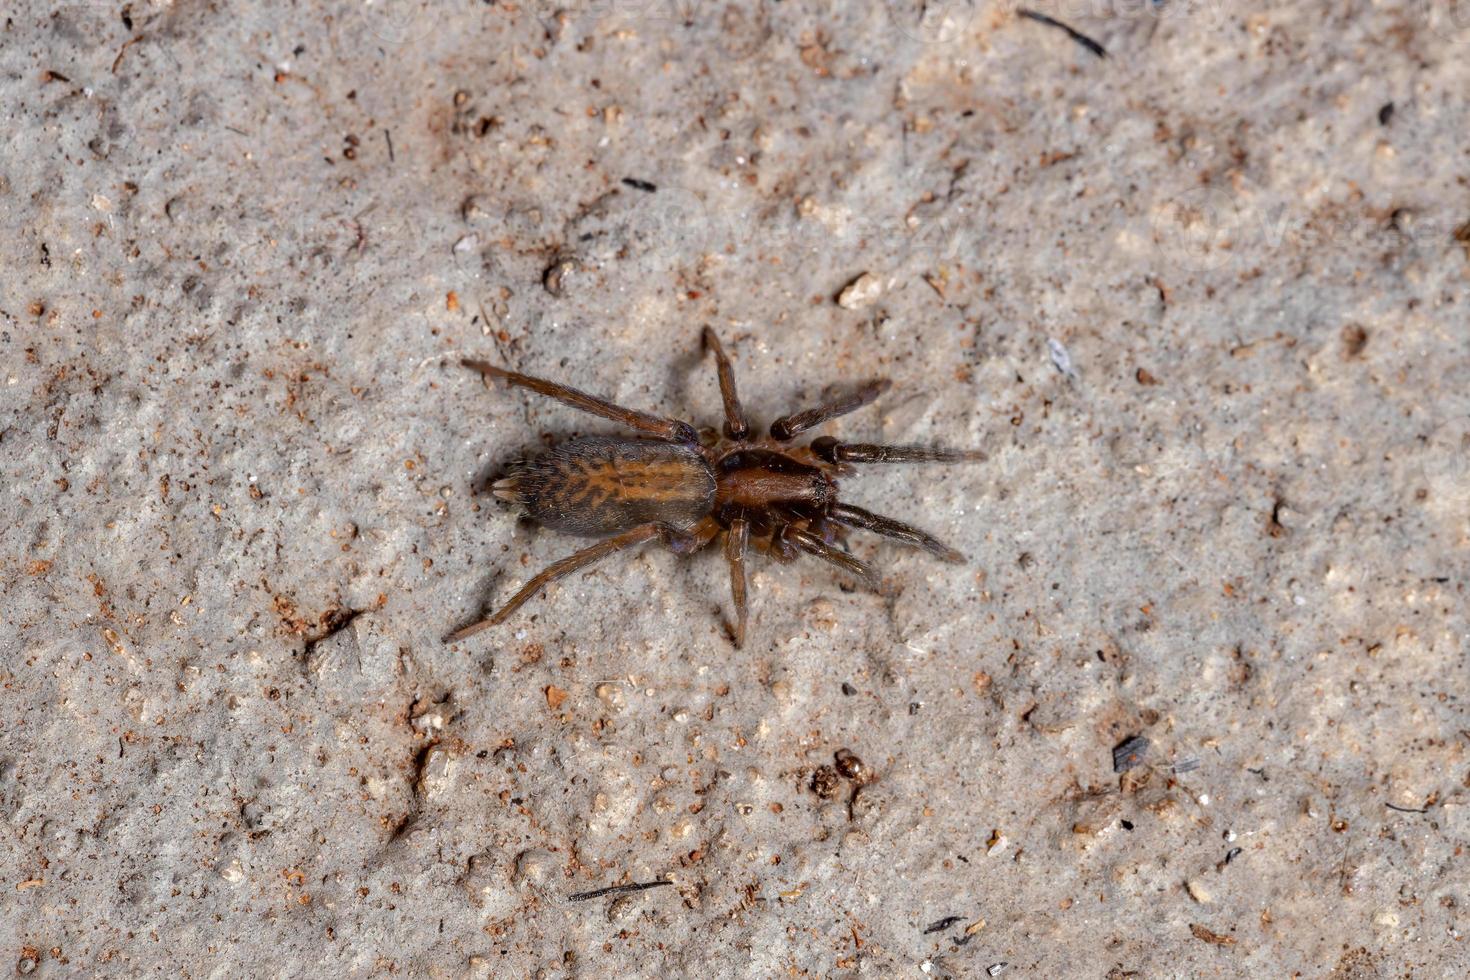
<point x="1071" y="32"/>
<point x="941" y="924"/>
<point x="1129" y="753"/>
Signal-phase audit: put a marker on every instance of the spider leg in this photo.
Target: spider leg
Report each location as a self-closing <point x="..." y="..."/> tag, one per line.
<point x="737" y="544"/>
<point x="828" y="530"/>
<point x="690" y="541"/>
<point x="735" y="424"/>
<point x="830" y="450"/>
<point x="813" y="545"/>
<point x="788" y="427"/>
<point x="777" y="548"/>
<point x="851" y="516"/>
<point x="671" y="430"/>
<point x="681" y="542"/>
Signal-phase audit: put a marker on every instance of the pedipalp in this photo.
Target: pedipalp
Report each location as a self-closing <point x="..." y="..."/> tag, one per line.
<point x="817" y="548"/>
<point x="856" y="517"/>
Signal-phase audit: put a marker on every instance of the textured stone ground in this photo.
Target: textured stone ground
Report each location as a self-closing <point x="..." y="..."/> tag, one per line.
<point x="1201" y="301"/>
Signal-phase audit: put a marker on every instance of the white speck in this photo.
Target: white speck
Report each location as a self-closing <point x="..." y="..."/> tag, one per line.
<point x="926" y="966"/>
<point x="1061" y="358"/>
<point x="996" y="969"/>
<point x="1299" y="600"/>
<point x="466" y="244"/>
<point x="1204" y="799"/>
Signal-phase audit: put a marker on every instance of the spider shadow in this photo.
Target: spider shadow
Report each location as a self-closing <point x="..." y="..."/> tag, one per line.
<point x="682" y="373"/>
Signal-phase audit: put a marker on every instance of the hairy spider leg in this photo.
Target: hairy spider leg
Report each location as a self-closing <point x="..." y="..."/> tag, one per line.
<point x="735" y="425"/>
<point x="681" y="542"/>
<point x="831" y="451"/>
<point x="850" y="516"/>
<point x="737" y="546"/>
<point x="788" y="427"/>
<point x="670" y="430"/>
<point x="815" y="546"/>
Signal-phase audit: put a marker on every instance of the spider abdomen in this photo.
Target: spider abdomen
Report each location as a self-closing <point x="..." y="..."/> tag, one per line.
<point x="595" y="487"/>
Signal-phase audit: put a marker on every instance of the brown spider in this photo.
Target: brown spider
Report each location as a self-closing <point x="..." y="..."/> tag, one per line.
<point x="687" y="491"/>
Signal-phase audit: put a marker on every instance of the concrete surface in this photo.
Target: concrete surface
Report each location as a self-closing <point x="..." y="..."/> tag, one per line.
<point x="1202" y="302"/>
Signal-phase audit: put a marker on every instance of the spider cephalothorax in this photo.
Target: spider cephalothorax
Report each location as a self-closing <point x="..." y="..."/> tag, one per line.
<point x="687" y="491"/>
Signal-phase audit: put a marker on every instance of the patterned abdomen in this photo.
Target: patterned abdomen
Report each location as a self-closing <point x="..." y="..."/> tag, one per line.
<point x="595" y="487"/>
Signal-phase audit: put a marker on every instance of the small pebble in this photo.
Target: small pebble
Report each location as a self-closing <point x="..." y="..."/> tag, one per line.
<point x="851" y="766"/>
<point x="862" y="291"/>
<point x="531" y="867"/>
<point x="431" y="719"/>
<point x="555" y="276"/>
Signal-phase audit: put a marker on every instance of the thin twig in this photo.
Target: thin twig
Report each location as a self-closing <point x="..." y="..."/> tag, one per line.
<point x="1071" y="32"/>
<point x="618" y="889"/>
